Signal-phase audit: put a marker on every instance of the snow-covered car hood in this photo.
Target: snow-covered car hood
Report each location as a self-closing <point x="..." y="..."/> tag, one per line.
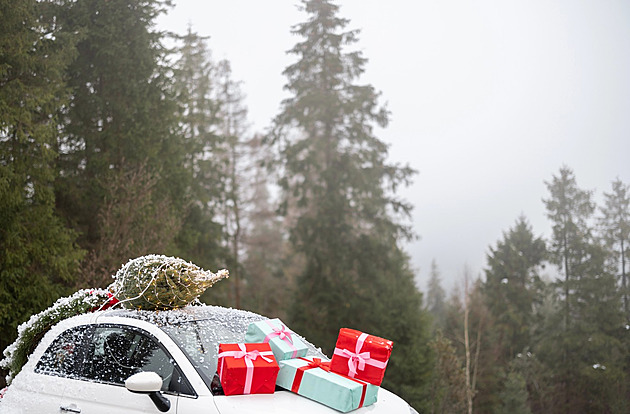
<point x="282" y="402"/>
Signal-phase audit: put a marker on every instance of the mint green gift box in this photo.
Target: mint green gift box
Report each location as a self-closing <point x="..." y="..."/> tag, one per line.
<point x="284" y="343"/>
<point x="333" y="390"/>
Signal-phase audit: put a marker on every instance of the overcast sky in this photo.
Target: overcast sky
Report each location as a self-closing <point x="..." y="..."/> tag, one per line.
<point x="488" y="99"/>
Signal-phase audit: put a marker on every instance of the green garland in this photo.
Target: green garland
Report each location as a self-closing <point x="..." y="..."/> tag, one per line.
<point x="32" y="331"/>
<point x="149" y="282"/>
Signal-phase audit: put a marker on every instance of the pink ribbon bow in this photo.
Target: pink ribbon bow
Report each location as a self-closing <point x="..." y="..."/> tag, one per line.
<point x="284" y="334"/>
<point x="357" y="359"/>
<point x="248" y="357"/>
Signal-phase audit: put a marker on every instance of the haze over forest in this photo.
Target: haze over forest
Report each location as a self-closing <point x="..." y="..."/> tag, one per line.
<point x="488" y="101"/>
<point x="297" y="172"/>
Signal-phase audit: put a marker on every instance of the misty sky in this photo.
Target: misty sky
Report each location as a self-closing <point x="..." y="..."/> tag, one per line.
<point x="488" y="100"/>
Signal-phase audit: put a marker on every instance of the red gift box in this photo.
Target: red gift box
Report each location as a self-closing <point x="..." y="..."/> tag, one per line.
<point x="247" y="369"/>
<point x="362" y="356"/>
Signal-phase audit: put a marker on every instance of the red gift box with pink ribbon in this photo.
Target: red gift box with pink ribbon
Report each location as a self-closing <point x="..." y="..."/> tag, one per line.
<point x="361" y="356"/>
<point x="247" y="369"/>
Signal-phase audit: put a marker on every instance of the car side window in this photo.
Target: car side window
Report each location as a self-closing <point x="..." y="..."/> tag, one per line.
<point x="116" y="353"/>
<point x="63" y="356"/>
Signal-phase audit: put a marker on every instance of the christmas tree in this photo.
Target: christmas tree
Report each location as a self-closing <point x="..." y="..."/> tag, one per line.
<point x="151" y="282"/>
<point x="157" y="282"/>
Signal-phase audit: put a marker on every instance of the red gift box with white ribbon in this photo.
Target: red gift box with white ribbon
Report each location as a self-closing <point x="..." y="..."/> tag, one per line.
<point x="361" y="356"/>
<point x="247" y="369"/>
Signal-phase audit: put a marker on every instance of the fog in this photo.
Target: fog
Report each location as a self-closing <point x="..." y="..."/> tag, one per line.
<point x="488" y="100"/>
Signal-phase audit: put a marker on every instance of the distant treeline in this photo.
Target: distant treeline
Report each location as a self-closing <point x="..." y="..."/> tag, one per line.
<point x="118" y="140"/>
<point x="535" y="345"/>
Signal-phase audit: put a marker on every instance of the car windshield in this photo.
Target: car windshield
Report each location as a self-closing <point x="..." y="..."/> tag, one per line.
<point x="199" y="338"/>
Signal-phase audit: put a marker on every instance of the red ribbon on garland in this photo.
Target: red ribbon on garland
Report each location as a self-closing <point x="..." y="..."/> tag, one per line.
<point x="317" y="363"/>
<point x="111" y="301"/>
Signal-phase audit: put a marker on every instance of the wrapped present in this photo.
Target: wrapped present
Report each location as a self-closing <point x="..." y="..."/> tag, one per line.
<point x="285" y="344"/>
<point x="247" y="369"/>
<point x="362" y="356"/>
<point x="311" y="378"/>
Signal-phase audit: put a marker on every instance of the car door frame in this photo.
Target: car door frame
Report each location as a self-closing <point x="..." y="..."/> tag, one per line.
<point x="85" y="393"/>
<point x="187" y="369"/>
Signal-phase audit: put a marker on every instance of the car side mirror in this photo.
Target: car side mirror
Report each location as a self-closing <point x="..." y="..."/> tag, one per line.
<point x="149" y="383"/>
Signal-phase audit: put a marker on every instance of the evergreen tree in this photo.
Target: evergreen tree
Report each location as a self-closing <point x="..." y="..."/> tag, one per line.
<point x="470" y="327"/>
<point x="569" y="208"/>
<point x="591" y="318"/>
<point x="512" y="285"/>
<point x="120" y="122"/>
<point x="448" y="385"/>
<point x="196" y="82"/>
<point x="615" y="225"/>
<point x="514" y="395"/>
<point x="336" y="178"/>
<point x="38" y="255"/>
<point x="269" y="266"/>
<point x="233" y="129"/>
<point x="539" y="386"/>
<point x="436" y="297"/>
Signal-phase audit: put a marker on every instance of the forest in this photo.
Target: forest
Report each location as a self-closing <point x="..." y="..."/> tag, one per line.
<point x="119" y="140"/>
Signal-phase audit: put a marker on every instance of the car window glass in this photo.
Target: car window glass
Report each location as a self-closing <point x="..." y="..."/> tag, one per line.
<point x="200" y="339"/>
<point x="116" y="353"/>
<point x="62" y="357"/>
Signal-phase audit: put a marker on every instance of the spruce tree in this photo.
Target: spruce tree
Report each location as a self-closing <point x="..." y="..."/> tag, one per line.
<point x="615" y="228"/>
<point x="513" y="285"/>
<point x="269" y="266"/>
<point x="120" y="122"/>
<point x="514" y="395"/>
<point x="569" y="208"/>
<point x="510" y="292"/>
<point x="38" y="254"/>
<point x="233" y="129"/>
<point x="337" y="182"/>
<point x="436" y="297"/>
<point x="591" y="315"/>
<point x="448" y="384"/>
<point x="197" y="87"/>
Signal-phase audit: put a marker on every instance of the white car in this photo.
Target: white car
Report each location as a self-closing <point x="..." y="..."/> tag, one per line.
<point x="120" y="361"/>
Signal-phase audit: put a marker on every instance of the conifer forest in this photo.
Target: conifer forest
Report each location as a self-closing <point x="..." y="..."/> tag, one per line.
<point x="119" y="140"/>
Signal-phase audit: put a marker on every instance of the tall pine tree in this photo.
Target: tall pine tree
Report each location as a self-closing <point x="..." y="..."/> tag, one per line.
<point x="436" y="297"/>
<point x="591" y="316"/>
<point x="512" y="286"/>
<point x="38" y="256"/>
<point x="197" y="87"/>
<point x="233" y="129"/>
<point x="615" y="227"/>
<point x="569" y="208"/>
<point x="269" y="266"/>
<point x="120" y="123"/>
<point x="511" y="291"/>
<point x="337" y="179"/>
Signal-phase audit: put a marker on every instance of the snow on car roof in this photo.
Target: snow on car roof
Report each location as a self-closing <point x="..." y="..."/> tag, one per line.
<point x="236" y="320"/>
<point x="190" y="313"/>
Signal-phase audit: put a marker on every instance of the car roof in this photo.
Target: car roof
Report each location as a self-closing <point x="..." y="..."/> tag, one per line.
<point x="182" y="315"/>
<point x="236" y="320"/>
